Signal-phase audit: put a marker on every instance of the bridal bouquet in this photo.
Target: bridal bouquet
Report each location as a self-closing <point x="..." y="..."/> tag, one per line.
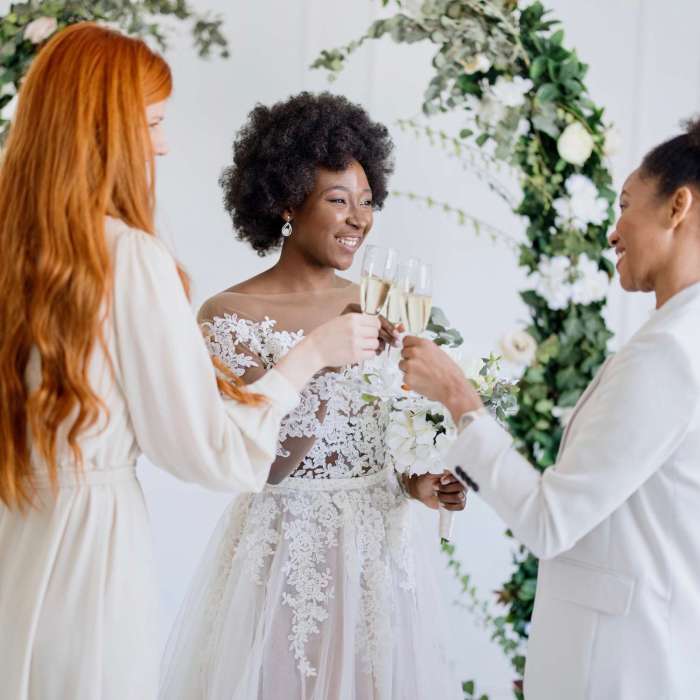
<point x="421" y="431"/>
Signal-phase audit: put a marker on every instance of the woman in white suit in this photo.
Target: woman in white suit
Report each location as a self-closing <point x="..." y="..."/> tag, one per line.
<point x="101" y="360"/>
<point x="616" y="519"/>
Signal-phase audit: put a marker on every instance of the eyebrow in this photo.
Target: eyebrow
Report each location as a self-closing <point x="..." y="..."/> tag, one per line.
<point x="345" y="189"/>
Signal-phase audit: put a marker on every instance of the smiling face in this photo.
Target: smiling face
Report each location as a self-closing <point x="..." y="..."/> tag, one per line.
<point x="332" y="223"/>
<point x="646" y="235"/>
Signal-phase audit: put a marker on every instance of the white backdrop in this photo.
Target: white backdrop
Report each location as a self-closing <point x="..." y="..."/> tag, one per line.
<point x="645" y="68"/>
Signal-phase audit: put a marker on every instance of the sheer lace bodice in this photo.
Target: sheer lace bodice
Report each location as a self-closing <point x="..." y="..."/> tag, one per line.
<point x="334" y="432"/>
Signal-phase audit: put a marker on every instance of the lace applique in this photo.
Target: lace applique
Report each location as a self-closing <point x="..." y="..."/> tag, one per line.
<point x="310" y="532"/>
<point x="226" y="335"/>
<point x="350" y="438"/>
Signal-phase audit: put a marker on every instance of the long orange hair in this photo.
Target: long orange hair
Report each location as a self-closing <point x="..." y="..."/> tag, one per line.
<point x="75" y="153"/>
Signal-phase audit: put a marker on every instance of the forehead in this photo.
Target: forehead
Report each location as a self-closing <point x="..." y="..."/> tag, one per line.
<point x="636" y="184"/>
<point x="353" y="177"/>
<point x="156" y="109"/>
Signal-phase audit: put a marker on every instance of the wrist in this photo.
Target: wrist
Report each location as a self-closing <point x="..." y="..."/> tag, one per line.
<point x="406" y="485"/>
<point x="460" y="398"/>
<point x="313" y="352"/>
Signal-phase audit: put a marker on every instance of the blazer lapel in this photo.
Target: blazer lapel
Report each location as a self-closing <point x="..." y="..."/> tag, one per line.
<point x="582" y="400"/>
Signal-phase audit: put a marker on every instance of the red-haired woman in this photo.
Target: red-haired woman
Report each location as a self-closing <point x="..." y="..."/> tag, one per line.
<point x="101" y="360"/>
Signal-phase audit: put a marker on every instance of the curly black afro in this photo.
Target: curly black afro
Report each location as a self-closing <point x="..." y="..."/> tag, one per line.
<point x="276" y="153"/>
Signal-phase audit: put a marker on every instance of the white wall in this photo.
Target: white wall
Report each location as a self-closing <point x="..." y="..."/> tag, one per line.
<point x="645" y="61"/>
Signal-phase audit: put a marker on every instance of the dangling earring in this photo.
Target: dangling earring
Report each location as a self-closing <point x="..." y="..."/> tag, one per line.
<point x="287" y="229"/>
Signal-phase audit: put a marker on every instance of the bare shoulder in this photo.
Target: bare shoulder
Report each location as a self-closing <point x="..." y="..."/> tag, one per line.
<point x="232" y="300"/>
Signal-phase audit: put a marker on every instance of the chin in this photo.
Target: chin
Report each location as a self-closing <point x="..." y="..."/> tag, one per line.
<point x="342" y="263"/>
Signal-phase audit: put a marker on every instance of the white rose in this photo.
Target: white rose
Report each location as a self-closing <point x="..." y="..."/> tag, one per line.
<point x="40" y="29"/>
<point x="476" y="64"/>
<point x="613" y="142"/>
<point x="8" y="89"/>
<point x="8" y="111"/>
<point x="575" y="144"/>
<point x="518" y="347"/>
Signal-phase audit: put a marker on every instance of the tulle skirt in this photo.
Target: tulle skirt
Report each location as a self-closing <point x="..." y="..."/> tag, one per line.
<point x="312" y="590"/>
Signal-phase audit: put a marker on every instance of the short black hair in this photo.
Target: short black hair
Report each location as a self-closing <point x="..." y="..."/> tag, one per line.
<point x="675" y="163"/>
<point x="277" y="152"/>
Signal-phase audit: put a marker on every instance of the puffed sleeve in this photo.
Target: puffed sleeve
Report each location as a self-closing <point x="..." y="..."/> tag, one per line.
<point x="179" y="418"/>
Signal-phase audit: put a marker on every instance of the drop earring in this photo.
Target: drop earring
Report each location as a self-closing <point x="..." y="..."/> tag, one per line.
<point x="287" y="229"/>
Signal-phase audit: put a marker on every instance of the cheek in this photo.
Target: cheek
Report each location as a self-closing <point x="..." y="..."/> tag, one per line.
<point x="159" y="143"/>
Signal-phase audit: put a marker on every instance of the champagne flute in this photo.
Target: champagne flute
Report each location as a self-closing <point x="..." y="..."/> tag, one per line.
<point x="418" y="304"/>
<point x="378" y="266"/>
<point x="419" y="299"/>
<point x="378" y="269"/>
<point x="395" y="307"/>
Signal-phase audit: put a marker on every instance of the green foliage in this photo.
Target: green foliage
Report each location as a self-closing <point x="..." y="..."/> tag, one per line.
<point x="135" y="17"/>
<point x="514" y="46"/>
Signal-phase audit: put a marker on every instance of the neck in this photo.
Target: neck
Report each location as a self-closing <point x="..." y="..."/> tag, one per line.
<point x="297" y="272"/>
<point x="682" y="272"/>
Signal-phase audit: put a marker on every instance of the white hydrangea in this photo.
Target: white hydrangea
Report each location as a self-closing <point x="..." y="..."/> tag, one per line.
<point x="582" y="207"/>
<point x="560" y="283"/>
<point x="591" y="283"/>
<point x="552" y="281"/>
<point x="510" y="92"/>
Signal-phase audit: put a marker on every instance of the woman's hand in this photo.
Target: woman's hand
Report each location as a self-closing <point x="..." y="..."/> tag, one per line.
<point x="430" y="371"/>
<point x="346" y="339"/>
<point x="388" y="334"/>
<point x="437" y="490"/>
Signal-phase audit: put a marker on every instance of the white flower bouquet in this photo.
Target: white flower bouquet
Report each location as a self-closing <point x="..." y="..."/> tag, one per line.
<point x="421" y="431"/>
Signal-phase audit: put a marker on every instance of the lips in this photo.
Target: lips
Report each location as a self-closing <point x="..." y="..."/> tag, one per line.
<point x="620" y="256"/>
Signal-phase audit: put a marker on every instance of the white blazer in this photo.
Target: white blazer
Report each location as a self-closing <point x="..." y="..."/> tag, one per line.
<point x="616" y="522"/>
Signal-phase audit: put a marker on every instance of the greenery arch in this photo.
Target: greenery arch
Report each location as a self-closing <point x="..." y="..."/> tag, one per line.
<point x="503" y="63"/>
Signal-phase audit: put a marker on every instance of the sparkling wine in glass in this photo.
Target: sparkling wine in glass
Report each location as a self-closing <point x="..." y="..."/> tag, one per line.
<point x="378" y="270"/>
<point x="419" y="300"/>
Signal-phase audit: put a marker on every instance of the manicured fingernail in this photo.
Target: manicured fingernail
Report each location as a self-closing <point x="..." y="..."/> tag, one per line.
<point x="445" y="479"/>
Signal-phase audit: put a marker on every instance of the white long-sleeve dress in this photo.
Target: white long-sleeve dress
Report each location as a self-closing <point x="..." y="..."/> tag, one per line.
<point x="316" y="588"/>
<point x="77" y="585"/>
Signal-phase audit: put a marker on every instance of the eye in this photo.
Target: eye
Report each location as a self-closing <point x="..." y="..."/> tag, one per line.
<point x="366" y="202"/>
<point x="623" y="206"/>
<point x="337" y="200"/>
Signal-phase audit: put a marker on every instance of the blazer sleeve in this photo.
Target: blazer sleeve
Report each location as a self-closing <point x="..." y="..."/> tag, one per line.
<point x="180" y="420"/>
<point x="627" y="429"/>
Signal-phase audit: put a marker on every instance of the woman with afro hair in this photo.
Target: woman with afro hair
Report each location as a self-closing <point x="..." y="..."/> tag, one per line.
<point x="312" y="589"/>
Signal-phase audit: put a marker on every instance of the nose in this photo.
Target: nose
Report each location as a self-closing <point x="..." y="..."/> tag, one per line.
<point x="613" y="237"/>
<point x="356" y="220"/>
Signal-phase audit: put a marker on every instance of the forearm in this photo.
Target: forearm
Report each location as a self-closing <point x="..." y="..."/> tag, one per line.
<point x="301" y="363"/>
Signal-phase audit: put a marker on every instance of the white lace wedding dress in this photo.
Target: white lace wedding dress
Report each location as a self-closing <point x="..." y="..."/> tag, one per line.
<point x="312" y="589"/>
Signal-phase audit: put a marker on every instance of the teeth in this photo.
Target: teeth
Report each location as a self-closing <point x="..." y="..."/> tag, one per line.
<point x="350" y="242"/>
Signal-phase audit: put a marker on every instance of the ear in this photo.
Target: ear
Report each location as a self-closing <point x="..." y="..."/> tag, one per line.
<point x="681" y="202"/>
